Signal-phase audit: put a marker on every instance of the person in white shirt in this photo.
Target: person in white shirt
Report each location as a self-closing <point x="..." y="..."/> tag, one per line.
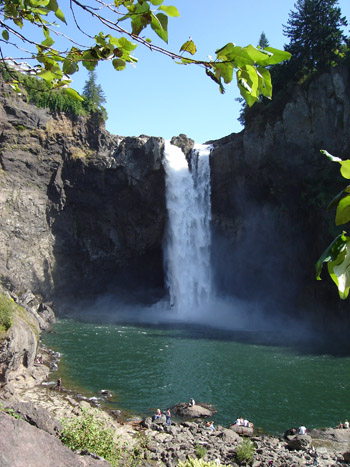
<point x="302" y="430"/>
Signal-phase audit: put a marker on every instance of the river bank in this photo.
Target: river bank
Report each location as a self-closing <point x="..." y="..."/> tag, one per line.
<point x="33" y="408"/>
<point x="157" y="444"/>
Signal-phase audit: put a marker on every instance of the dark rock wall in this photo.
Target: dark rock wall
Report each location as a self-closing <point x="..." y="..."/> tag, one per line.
<point x="79" y="208"/>
<point x="270" y="190"/>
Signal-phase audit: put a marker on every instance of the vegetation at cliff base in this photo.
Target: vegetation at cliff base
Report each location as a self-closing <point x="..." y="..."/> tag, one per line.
<point x="88" y="432"/>
<point x="245" y="451"/>
<point x="7" y="308"/>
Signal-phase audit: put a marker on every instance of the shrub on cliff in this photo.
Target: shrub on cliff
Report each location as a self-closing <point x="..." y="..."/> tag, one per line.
<point x="88" y="432"/>
<point x="7" y="307"/>
<point x="245" y="451"/>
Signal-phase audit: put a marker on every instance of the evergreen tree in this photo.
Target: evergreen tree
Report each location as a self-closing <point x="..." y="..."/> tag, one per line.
<point x="315" y="33"/>
<point x="263" y="41"/>
<point x="93" y="91"/>
<point x="94" y="95"/>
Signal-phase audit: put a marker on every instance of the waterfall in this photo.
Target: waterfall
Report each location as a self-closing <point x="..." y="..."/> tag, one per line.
<point x="187" y="239"/>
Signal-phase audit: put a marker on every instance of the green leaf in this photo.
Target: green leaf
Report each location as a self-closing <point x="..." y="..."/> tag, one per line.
<point x="189" y="46"/>
<point x="126" y="44"/>
<point x="73" y="93"/>
<point x="69" y="67"/>
<point x="278" y="56"/>
<point x="338" y="197"/>
<point x="169" y="10"/>
<point x="5" y="35"/>
<point x="224" y="70"/>
<point x="46" y="75"/>
<point x="339" y="270"/>
<point x="39" y="2"/>
<point x="118" y="64"/>
<point x="156" y="2"/>
<point x="159" y="24"/>
<point x="48" y="42"/>
<point x="226" y="50"/>
<point x="265" y="85"/>
<point x="53" y="6"/>
<point x="343" y="211"/>
<point x="248" y="81"/>
<point x="331" y="253"/>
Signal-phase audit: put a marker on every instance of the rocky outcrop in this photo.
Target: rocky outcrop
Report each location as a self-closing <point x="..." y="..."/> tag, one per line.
<point x="20" y="366"/>
<point x="23" y="445"/>
<point x="270" y="190"/>
<point x="199" y="410"/>
<point x="78" y="206"/>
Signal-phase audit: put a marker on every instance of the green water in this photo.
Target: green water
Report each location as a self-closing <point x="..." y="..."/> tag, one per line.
<point x="150" y="367"/>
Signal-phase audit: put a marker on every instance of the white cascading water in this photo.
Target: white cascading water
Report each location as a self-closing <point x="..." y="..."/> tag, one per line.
<point x="187" y="240"/>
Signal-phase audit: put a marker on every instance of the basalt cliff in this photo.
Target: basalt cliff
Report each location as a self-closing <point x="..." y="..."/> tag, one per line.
<point x="83" y="212"/>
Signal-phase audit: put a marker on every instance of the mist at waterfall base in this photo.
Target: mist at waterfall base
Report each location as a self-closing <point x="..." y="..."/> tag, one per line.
<point x="194" y="276"/>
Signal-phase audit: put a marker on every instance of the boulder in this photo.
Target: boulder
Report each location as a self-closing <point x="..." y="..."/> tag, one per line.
<point x="242" y="430"/>
<point x="199" y="410"/>
<point x="36" y="416"/>
<point x="299" y="442"/>
<point x="23" y="445"/>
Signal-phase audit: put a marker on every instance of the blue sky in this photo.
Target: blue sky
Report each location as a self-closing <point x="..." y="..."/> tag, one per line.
<point x="161" y="98"/>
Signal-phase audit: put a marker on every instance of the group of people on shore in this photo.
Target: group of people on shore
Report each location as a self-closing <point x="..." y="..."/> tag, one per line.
<point x="167" y="416"/>
<point x="240" y="421"/>
<point x="345" y="425"/>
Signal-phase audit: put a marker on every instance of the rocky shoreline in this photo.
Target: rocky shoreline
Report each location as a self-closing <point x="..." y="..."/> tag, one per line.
<point x="42" y="406"/>
<point x="32" y="409"/>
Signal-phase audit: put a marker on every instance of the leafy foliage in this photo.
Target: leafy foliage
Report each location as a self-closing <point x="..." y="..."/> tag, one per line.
<point x="7" y="308"/>
<point x="245" y="451"/>
<point x="337" y="254"/>
<point x="201" y="451"/>
<point x="89" y="432"/>
<point x="55" y="67"/>
<point x="315" y="34"/>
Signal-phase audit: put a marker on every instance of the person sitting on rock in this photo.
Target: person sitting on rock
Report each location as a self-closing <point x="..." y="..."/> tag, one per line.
<point x="157" y="415"/>
<point x="210" y="425"/>
<point x="192" y="402"/>
<point x="246" y="423"/>
<point x="302" y="430"/>
<point x="239" y="421"/>
<point x="340" y="425"/>
<point x="346" y="424"/>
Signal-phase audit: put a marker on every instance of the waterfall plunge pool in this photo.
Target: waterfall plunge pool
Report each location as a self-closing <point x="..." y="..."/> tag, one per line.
<point x="150" y="366"/>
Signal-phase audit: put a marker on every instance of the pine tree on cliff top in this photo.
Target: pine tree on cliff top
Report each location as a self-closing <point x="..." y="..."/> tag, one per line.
<point x="315" y="33"/>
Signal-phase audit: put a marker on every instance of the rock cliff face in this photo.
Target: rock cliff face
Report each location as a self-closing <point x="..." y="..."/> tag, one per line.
<point x="83" y="211"/>
<point x="270" y="190"/>
<point x="78" y="206"/>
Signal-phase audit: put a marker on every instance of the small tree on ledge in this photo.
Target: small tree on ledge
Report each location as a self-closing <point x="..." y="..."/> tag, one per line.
<point x="94" y="96"/>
